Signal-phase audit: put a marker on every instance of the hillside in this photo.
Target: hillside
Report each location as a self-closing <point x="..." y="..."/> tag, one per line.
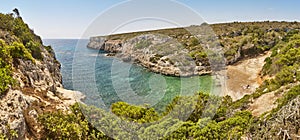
<point x="194" y="50"/>
<point x="271" y="111"/>
<point x="263" y="64"/>
<point x="34" y="105"/>
<point x="30" y="80"/>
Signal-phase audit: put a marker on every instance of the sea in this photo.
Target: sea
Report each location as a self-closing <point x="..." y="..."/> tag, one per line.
<point x="106" y="80"/>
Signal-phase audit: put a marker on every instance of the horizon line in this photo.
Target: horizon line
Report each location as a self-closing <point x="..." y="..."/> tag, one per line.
<point x="146" y="30"/>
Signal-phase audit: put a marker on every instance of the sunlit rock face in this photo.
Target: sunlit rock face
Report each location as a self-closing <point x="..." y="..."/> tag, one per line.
<point x="38" y="89"/>
<point x="158" y="53"/>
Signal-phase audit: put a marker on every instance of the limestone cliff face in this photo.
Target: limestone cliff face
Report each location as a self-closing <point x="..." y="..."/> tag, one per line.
<point x="101" y="43"/>
<point x="39" y="89"/>
<point x="41" y="75"/>
<point x="235" y="40"/>
<point x="97" y="43"/>
<point x="158" y="53"/>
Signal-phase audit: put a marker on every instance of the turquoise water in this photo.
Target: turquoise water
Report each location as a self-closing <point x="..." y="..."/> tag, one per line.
<point x="105" y="80"/>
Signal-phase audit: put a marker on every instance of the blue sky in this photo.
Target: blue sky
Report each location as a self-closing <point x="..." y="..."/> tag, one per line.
<point x="72" y="18"/>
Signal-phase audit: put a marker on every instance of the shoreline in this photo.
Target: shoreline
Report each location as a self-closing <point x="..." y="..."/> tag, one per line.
<point x="114" y="55"/>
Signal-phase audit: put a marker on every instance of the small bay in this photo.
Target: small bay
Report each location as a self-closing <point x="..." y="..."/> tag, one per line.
<point x="106" y="80"/>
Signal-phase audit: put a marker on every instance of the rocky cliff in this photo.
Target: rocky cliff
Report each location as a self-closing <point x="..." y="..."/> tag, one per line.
<point x="37" y="82"/>
<point x="39" y="90"/>
<point x="190" y="51"/>
<point x="158" y="53"/>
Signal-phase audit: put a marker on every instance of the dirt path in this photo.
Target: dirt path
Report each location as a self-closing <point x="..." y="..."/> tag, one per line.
<point x="263" y="104"/>
<point x="243" y="78"/>
<point x="267" y="101"/>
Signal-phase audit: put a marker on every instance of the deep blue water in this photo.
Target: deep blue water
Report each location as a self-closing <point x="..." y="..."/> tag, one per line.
<point x="105" y="80"/>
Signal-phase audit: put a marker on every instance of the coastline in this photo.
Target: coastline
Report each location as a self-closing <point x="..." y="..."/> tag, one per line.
<point x="172" y="61"/>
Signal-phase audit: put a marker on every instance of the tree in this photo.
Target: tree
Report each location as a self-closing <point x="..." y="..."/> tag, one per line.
<point x="16" y="11"/>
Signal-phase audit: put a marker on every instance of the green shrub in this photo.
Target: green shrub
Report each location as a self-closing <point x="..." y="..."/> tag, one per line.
<point x="198" y="55"/>
<point x="59" y="125"/>
<point x="134" y="113"/>
<point x="49" y="49"/>
<point x="22" y="31"/>
<point x="5" y="56"/>
<point x="194" y="41"/>
<point x="232" y="128"/>
<point x="283" y="64"/>
<point x="193" y="107"/>
<point x="5" y="67"/>
<point x="35" y="50"/>
<point x="5" y="79"/>
<point x="18" y="50"/>
<point x="6" y="21"/>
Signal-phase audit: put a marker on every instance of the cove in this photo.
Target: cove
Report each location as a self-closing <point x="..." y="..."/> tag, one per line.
<point x="119" y="81"/>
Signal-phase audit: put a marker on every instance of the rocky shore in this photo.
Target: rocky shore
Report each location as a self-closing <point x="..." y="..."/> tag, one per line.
<point x="193" y="50"/>
<point x="158" y="53"/>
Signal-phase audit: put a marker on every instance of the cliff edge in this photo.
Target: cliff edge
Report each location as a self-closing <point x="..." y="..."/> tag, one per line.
<point x="194" y="50"/>
<point x="31" y="82"/>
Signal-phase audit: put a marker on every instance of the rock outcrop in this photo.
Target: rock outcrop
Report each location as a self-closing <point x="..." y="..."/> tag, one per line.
<point x="158" y="53"/>
<point x="41" y="75"/>
<point x="97" y="43"/>
<point x="39" y="90"/>
<point x="31" y="81"/>
<point x="211" y="47"/>
<point x="12" y="107"/>
<point x="101" y="43"/>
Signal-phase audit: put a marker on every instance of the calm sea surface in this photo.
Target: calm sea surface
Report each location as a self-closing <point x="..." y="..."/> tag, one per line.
<point x="106" y="80"/>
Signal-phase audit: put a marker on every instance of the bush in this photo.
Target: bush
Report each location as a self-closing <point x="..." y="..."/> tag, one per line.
<point x="59" y="125"/>
<point x="35" y="50"/>
<point x="22" y="31"/>
<point x="232" y="128"/>
<point x="283" y="64"/>
<point x="134" y="113"/>
<point x="5" y="79"/>
<point x="6" y="22"/>
<point x="194" y="41"/>
<point x="18" y="50"/>
<point x="193" y="107"/>
<point x="5" y="67"/>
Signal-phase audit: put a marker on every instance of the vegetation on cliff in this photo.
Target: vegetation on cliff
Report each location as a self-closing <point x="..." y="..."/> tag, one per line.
<point x="238" y="40"/>
<point x="16" y="41"/>
<point x="212" y="117"/>
<point x="224" y="119"/>
<point x="62" y="125"/>
<point x="28" y="71"/>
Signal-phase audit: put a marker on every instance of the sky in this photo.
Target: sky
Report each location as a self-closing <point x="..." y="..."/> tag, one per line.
<point x="58" y="19"/>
